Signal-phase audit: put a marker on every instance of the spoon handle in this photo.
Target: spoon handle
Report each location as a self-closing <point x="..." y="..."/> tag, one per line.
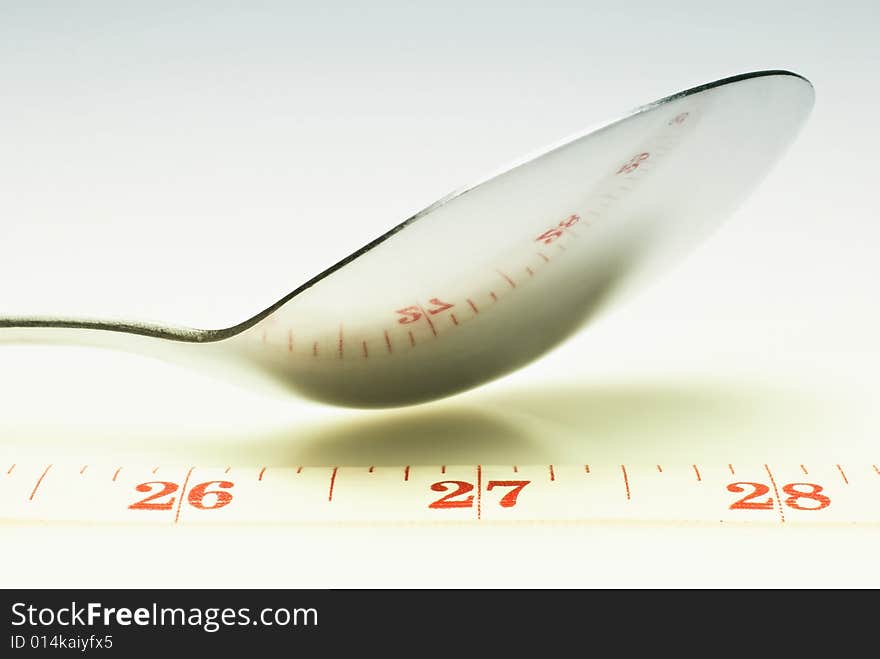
<point x="33" y="330"/>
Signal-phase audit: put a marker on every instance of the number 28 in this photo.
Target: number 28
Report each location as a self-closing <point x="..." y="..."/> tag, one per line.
<point x="752" y="500"/>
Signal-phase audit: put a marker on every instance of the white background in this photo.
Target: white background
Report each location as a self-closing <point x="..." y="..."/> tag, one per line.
<point x="193" y="162"/>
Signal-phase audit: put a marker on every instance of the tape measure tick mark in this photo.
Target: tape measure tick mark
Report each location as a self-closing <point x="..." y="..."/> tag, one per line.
<point x="332" y="483"/>
<point x="39" y="480"/>
<point x="776" y="492"/>
<point x="479" y="491"/>
<point x="182" y="493"/>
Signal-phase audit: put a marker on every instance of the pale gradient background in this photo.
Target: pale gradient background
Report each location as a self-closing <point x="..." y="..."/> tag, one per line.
<point x="193" y="162"/>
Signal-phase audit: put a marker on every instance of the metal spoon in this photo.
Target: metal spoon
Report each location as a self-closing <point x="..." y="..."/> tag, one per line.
<point x="493" y="276"/>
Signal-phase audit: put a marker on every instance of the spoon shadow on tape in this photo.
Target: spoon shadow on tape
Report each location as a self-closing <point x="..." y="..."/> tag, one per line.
<point x="511" y="422"/>
<point x="563" y="423"/>
<point x="574" y="424"/>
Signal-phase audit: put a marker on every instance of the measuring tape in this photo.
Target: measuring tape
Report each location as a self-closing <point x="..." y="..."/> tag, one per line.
<point x="786" y="494"/>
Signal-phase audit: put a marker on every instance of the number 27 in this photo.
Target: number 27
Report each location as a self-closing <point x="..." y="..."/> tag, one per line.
<point x="454" y="500"/>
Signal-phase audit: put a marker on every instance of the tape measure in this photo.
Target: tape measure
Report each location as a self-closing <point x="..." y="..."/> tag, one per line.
<point x="764" y="493"/>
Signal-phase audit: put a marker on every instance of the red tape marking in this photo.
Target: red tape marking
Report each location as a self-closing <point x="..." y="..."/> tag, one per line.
<point x="479" y="491"/>
<point x="332" y="483"/>
<point x="508" y="279"/>
<point x="182" y="494"/>
<point x="776" y="492"/>
<point x="39" y="480"/>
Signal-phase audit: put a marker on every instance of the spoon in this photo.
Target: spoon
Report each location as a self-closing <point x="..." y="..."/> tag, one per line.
<point x="491" y="277"/>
